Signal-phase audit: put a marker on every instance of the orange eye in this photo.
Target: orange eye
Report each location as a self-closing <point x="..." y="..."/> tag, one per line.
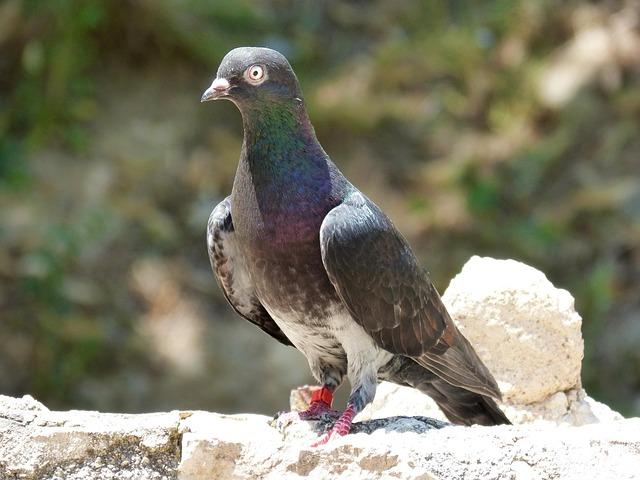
<point x="255" y="73"/>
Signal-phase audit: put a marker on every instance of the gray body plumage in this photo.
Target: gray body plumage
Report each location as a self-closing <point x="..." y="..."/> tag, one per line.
<point x="301" y="253"/>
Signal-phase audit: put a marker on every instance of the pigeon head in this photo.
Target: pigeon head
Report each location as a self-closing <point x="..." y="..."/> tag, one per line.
<point x="252" y="76"/>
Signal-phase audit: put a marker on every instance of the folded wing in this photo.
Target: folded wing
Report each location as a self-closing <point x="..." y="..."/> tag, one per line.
<point x="386" y="291"/>
<point x="232" y="275"/>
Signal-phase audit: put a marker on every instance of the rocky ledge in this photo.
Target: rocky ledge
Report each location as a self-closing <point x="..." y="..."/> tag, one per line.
<point x="36" y="443"/>
<point x="526" y="331"/>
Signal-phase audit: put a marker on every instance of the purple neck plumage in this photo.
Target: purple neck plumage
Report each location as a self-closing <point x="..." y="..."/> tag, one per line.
<point x="285" y="170"/>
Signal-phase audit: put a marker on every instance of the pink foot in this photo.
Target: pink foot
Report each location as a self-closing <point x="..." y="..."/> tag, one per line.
<point x="341" y="427"/>
<point x="320" y="406"/>
<point x="319" y="409"/>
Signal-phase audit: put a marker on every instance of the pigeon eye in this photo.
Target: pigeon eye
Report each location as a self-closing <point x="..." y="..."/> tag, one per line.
<point x="255" y="74"/>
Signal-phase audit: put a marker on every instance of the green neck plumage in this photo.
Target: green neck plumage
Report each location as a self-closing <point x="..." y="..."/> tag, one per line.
<point x="279" y="141"/>
<point x="285" y="181"/>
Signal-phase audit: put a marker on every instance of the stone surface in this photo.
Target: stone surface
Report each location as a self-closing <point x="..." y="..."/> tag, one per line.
<point x="524" y="329"/>
<point x="41" y="444"/>
<point x="36" y="443"/>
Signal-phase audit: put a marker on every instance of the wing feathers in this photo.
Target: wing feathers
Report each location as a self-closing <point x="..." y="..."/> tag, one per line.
<point x="386" y="291"/>
<point x="232" y="275"/>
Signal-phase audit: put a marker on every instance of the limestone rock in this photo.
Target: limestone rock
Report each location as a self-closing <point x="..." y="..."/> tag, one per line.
<point x="524" y="329"/>
<point x="47" y="445"/>
<point x="41" y="444"/>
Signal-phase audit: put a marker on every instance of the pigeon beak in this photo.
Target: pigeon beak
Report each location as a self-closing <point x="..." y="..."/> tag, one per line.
<point x="219" y="88"/>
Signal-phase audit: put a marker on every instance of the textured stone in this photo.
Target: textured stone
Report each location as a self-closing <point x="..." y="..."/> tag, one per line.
<point x="41" y="444"/>
<point x="199" y="445"/>
<point x="524" y="329"/>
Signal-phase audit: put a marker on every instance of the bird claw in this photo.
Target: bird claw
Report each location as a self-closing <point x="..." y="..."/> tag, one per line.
<point x="317" y="411"/>
<point x="341" y="428"/>
<point x="324" y="439"/>
<point x="320" y="411"/>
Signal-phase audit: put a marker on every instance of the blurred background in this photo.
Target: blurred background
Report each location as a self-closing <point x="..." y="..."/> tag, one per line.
<point x="500" y="127"/>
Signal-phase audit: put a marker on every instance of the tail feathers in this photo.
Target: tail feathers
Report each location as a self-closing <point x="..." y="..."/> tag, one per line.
<point x="461" y="406"/>
<point x="468" y="408"/>
<point x="455" y="360"/>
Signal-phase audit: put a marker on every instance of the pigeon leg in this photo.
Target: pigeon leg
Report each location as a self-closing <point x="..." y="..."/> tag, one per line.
<point x="341" y="427"/>
<point x="360" y="396"/>
<point x="320" y="406"/>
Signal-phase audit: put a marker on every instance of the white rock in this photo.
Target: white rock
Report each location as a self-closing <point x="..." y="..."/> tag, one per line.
<point x="36" y="442"/>
<point x="217" y="446"/>
<point x="392" y="400"/>
<point x="198" y="445"/>
<point x="524" y="329"/>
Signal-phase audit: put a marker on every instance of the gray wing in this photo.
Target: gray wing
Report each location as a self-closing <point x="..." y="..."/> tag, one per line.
<point x="386" y="291"/>
<point x="232" y="275"/>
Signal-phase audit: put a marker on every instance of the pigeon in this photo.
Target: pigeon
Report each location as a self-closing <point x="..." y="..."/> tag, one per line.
<point x="301" y="253"/>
